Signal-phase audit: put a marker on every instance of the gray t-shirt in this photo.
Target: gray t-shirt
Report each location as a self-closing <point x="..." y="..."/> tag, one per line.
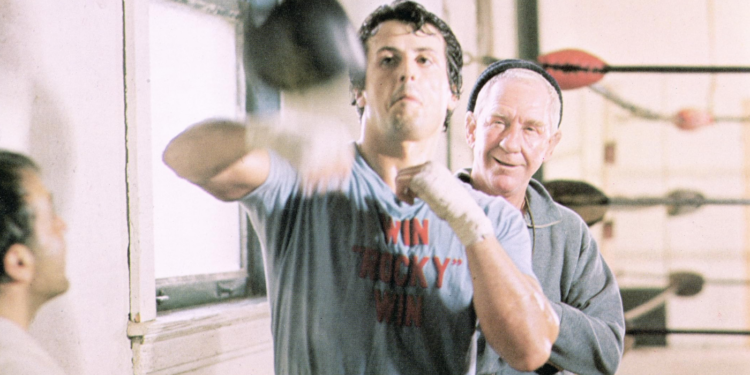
<point x="362" y="283"/>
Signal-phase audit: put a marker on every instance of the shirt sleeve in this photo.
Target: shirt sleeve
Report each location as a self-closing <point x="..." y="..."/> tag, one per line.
<point x="513" y="236"/>
<point x="281" y="184"/>
<point x="265" y="204"/>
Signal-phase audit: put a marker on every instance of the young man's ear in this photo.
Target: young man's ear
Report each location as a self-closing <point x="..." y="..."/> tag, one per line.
<point x="19" y="263"/>
<point x="470" y="125"/>
<point x="358" y="98"/>
<point x="453" y="102"/>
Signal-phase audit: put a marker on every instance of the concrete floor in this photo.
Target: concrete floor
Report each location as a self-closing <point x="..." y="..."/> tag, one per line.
<point x="686" y="361"/>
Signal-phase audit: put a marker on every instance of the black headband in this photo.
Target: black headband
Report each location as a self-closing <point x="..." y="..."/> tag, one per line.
<point x="500" y="66"/>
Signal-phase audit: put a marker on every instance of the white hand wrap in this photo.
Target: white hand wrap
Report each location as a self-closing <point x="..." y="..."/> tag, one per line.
<point x="319" y="147"/>
<point x="450" y="200"/>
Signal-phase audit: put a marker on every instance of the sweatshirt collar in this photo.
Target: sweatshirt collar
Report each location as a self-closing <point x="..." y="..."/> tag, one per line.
<point x="540" y="210"/>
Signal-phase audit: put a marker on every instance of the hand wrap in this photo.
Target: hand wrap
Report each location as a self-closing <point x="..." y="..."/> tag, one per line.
<point x="451" y="201"/>
<point x="318" y="147"/>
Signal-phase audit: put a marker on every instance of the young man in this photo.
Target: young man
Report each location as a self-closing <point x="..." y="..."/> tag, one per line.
<point x="390" y="273"/>
<point x="512" y="126"/>
<point x="32" y="272"/>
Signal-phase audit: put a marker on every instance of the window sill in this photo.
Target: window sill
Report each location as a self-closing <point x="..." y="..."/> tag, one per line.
<point x="214" y="335"/>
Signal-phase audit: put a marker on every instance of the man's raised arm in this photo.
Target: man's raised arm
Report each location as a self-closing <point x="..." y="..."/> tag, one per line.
<point x="229" y="159"/>
<point x="214" y="155"/>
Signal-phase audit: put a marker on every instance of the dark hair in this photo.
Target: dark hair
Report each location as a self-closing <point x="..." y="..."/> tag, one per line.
<point x="16" y="217"/>
<point x="417" y="16"/>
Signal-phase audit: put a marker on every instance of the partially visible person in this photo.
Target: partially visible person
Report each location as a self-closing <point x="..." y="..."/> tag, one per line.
<point x="391" y="273"/>
<point x="512" y="125"/>
<point x="32" y="272"/>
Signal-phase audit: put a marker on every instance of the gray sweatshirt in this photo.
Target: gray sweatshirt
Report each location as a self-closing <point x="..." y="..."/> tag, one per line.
<point x="580" y="286"/>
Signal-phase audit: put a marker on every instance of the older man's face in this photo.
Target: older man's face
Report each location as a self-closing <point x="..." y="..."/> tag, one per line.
<point x="511" y="135"/>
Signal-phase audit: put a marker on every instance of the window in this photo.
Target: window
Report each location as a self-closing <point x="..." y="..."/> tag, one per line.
<point x="203" y="250"/>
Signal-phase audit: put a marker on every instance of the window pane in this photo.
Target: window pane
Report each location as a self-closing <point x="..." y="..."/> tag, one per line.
<point x="193" y="77"/>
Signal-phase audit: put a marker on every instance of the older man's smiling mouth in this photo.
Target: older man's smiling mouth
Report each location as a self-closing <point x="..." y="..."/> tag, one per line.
<point x="504" y="164"/>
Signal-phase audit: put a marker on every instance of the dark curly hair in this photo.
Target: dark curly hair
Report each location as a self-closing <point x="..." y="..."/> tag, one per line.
<point x="16" y="217"/>
<point x="417" y="16"/>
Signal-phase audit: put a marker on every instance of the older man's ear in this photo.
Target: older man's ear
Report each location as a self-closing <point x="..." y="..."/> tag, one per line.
<point x="553" y="141"/>
<point x="470" y="125"/>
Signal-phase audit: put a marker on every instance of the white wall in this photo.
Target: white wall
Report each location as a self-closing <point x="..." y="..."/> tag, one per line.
<point x="61" y="99"/>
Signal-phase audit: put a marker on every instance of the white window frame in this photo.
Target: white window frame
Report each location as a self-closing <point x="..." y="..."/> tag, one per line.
<point x="154" y="334"/>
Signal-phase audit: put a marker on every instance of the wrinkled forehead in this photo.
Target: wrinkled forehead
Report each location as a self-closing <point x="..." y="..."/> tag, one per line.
<point x="513" y="78"/>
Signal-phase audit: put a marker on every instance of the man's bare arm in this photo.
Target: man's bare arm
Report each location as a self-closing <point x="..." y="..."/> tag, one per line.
<point x="214" y="155"/>
<point x="516" y="318"/>
<point x="229" y="160"/>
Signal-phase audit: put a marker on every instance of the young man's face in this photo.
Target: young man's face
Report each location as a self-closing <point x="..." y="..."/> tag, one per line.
<point x="511" y="135"/>
<point x="48" y="245"/>
<point x="407" y="91"/>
